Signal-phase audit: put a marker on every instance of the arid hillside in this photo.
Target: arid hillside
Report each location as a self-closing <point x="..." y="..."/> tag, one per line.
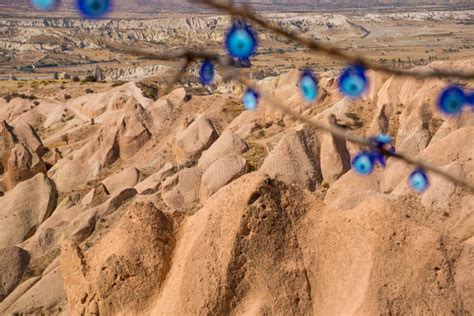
<point x="115" y="201"/>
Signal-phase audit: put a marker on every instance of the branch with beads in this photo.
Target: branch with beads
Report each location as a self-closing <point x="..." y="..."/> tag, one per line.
<point x="376" y="149"/>
<point x="246" y="13"/>
<point x="241" y="44"/>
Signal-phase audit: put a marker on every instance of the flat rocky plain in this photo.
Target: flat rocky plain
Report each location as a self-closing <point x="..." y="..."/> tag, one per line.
<point x="115" y="199"/>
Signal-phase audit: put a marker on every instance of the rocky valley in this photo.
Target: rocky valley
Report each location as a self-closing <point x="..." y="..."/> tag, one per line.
<point x="118" y="197"/>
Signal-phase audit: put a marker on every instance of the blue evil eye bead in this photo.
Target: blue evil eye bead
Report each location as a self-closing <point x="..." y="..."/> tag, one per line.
<point x="309" y="86"/>
<point x="353" y="81"/>
<point x="451" y="100"/>
<point x="206" y="73"/>
<point x="45" y="5"/>
<point x="379" y="158"/>
<point x="241" y="41"/>
<point x="383" y="139"/>
<point x="363" y="163"/>
<point x="418" y="180"/>
<point x="385" y="145"/>
<point x="470" y="99"/>
<point x="250" y="99"/>
<point x="93" y="9"/>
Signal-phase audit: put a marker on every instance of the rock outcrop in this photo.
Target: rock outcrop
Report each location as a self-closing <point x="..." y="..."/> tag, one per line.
<point x="227" y="143"/>
<point x="294" y="159"/>
<point x="13" y="264"/>
<point x="103" y="278"/>
<point x="197" y="137"/>
<point x="21" y="152"/>
<point x="221" y="172"/>
<point x="24" y="208"/>
<point x="120" y="137"/>
<point x="134" y="206"/>
<point x="181" y="191"/>
<point x="46" y="296"/>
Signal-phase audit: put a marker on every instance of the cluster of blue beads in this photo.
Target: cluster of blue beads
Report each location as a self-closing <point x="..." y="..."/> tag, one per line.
<point x="91" y="9"/>
<point x="241" y="44"/>
<point x="365" y="161"/>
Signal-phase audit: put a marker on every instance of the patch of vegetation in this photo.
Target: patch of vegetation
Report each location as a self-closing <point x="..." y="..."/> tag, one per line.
<point x="255" y="156"/>
<point x="149" y="90"/>
<point x="67" y="96"/>
<point x="65" y="138"/>
<point x="89" y="91"/>
<point x="233" y="107"/>
<point x="117" y="84"/>
<point x="89" y="78"/>
<point x="45" y="82"/>
<point x="435" y="124"/>
<point x="13" y="95"/>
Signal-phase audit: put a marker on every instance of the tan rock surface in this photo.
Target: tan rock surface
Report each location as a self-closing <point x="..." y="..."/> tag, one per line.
<point x="151" y="184"/>
<point x="224" y="276"/>
<point x="220" y="173"/>
<point x="127" y="178"/>
<point x="120" y="137"/>
<point x="293" y="159"/>
<point x="24" y="208"/>
<point x="197" y="137"/>
<point x="335" y="159"/>
<point x="17" y="293"/>
<point x="130" y="262"/>
<point x="227" y="143"/>
<point x="155" y="215"/>
<point x="21" y="165"/>
<point x="181" y="191"/>
<point x="46" y="296"/>
<point x="13" y="264"/>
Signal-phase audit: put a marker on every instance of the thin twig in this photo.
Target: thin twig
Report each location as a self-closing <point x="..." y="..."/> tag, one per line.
<point x="176" y="78"/>
<point x="332" y="50"/>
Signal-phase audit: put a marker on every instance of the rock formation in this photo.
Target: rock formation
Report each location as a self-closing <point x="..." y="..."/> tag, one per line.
<point x="179" y="207"/>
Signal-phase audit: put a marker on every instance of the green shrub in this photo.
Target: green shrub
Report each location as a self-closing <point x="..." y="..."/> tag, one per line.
<point x="9" y="96"/>
<point x="117" y="84"/>
<point x="149" y="90"/>
<point x="89" y="78"/>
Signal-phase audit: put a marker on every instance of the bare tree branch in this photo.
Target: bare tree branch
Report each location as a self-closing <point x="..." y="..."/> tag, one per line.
<point x="229" y="72"/>
<point x="177" y="76"/>
<point x="312" y="44"/>
<point x="340" y="132"/>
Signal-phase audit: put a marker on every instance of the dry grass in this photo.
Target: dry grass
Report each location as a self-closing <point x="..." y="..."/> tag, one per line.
<point x="233" y="107"/>
<point x="255" y="156"/>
